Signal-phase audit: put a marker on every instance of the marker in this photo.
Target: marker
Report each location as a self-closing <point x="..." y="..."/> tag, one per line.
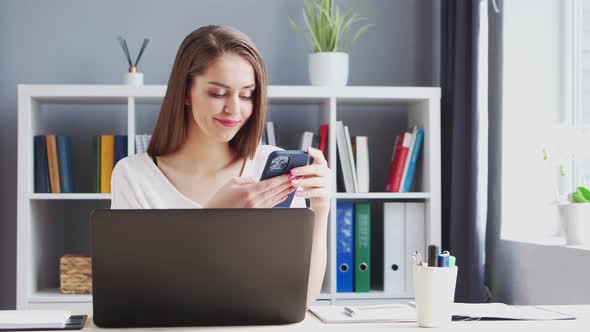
<point x="452" y="260"/>
<point x="432" y="255"/>
<point x="443" y="260"/>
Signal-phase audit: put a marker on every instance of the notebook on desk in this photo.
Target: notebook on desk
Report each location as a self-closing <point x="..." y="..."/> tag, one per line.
<point x="36" y="320"/>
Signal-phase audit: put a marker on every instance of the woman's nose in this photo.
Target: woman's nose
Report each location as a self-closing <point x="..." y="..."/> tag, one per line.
<point x="233" y="105"/>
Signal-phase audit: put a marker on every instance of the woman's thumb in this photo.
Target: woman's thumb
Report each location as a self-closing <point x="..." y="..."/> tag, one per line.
<point x="245" y="180"/>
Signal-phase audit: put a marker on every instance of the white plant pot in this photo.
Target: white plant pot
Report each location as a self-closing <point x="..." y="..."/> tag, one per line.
<point x="575" y="220"/>
<point x="328" y="68"/>
<point x="133" y="78"/>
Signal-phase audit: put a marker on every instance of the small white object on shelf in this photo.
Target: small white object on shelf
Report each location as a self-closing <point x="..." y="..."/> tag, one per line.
<point x="133" y="77"/>
<point x="33" y="319"/>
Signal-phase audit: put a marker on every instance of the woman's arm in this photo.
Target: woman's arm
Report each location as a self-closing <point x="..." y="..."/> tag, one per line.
<point x="319" y="255"/>
<point x="314" y="181"/>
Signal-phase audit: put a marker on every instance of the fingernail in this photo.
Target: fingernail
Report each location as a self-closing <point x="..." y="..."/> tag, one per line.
<point x="295" y="171"/>
<point x="292" y="189"/>
<point x="284" y="197"/>
<point x="291" y="177"/>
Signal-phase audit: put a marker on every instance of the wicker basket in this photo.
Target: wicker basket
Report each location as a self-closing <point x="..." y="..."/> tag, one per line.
<point x="75" y="274"/>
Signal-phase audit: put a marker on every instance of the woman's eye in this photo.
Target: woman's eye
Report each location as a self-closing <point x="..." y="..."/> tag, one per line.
<point x="215" y="95"/>
<point x="247" y="97"/>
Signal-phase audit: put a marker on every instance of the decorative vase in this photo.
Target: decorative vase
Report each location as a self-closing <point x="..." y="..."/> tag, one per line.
<point x="575" y="220"/>
<point x="133" y="77"/>
<point x="328" y="68"/>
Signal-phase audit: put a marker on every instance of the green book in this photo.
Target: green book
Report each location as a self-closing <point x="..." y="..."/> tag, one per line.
<point x="362" y="247"/>
<point x="96" y="164"/>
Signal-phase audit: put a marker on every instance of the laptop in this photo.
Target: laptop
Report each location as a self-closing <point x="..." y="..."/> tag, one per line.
<point x="200" y="267"/>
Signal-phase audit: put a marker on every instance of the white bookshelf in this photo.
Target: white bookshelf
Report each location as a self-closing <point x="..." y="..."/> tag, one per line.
<point x="41" y="229"/>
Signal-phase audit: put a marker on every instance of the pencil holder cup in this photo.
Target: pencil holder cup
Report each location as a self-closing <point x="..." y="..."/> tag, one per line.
<point x="134" y="78"/>
<point x="435" y="294"/>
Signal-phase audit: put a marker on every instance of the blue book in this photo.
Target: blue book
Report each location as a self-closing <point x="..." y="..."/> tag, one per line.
<point x="120" y="148"/>
<point x="413" y="159"/>
<point x="344" y="247"/>
<point x="41" y="166"/>
<point x="64" y="160"/>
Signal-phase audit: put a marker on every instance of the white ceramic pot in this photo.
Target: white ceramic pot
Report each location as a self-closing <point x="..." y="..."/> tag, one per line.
<point x="134" y="78"/>
<point x="328" y="68"/>
<point x="575" y="219"/>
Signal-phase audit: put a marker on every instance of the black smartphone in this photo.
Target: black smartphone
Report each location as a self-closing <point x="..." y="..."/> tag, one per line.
<point x="281" y="162"/>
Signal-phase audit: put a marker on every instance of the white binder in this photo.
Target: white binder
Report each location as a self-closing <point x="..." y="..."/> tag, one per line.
<point x="404" y="232"/>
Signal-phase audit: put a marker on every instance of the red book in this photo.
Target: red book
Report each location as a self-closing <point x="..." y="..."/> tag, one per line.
<point x="323" y="138"/>
<point x="398" y="142"/>
<point x="400" y="162"/>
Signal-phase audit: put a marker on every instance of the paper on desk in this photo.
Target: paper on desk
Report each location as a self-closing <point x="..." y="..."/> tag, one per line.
<point x="504" y="311"/>
<point x="365" y="314"/>
<point x="33" y="319"/>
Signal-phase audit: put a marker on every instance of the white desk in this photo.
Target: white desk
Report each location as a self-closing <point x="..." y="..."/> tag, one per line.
<point x="311" y="323"/>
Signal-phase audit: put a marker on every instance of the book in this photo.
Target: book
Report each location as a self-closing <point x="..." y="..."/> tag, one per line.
<point x="384" y="313"/>
<point x="344" y="159"/>
<point x="351" y="158"/>
<point x="64" y="157"/>
<point x="41" y="167"/>
<point x="323" y="142"/>
<point x="396" y="147"/>
<point x="53" y="164"/>
<point x="399" y="162"/>
<point x="407" y="162"/>
<point x="270" y="133"/>
<point x="362" y="163"/>
<point x="120" y="148"/>
<point x="96" y="164"/>
<point x="362" y="247"/>
<point x="33" y="319"/>
<point x="414" y="159"/>
<point x="107" y="152"/>
<point x="306" y="140"/>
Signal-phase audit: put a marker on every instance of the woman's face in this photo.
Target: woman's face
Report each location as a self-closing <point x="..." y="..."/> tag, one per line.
<point x="221" y="98"/>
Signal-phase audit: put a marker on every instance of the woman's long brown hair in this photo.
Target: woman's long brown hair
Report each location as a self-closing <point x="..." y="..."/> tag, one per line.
<point x="199" y="49"/>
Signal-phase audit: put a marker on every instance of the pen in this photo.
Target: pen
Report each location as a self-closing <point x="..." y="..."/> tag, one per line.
<point x="432" y="255"/>
<point x="417" y="258"/>
<point x="443" y="259"/>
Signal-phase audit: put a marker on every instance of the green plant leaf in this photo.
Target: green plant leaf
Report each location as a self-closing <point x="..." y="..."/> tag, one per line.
<point x="317" y="45"/>
<point x="579" y="198"/>
<point x="585" y="192"/>
<point x="359" y="32"/>
<point x="301" y="33"/>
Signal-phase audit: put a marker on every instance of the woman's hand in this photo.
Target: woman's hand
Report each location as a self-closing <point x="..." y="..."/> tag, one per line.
<point x="314" y="180"/>
<point x="246" y="192"/>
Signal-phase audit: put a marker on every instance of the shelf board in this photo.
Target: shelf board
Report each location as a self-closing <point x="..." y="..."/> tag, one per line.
<point x="73" y="196"/>
<point x="113" y="93"/>
<point x="383" y="195"/>
<point x="53" y="295"/>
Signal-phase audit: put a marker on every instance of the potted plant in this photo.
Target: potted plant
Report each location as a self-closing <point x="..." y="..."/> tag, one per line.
<point x="574" y="208"/>
<point x="328" y="41"/>
<point x="575" y="217"/>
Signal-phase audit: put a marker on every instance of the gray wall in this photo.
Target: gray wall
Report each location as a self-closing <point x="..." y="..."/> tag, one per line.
<point x="74" y="42"/>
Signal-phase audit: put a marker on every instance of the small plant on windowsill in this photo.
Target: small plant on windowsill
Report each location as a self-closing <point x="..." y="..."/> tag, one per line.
<point x="574" y="211"/>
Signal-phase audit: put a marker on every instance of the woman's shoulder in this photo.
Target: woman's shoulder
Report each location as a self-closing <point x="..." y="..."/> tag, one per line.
<point x="132" y="165"/>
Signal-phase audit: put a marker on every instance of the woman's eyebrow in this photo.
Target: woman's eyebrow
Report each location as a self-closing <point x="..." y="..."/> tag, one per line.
<point x="228" y="87"/>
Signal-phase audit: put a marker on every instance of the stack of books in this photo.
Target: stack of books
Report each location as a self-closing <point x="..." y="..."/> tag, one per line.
<point x="107" y="150"/>
<point x="308" y="138"/>
<point x="53" y="164"/>
<point x="403" y="161"/>
<point x="353" y="158"/>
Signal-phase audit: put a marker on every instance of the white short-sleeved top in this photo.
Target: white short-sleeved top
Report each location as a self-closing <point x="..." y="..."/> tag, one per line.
<point x="137" y="183"/>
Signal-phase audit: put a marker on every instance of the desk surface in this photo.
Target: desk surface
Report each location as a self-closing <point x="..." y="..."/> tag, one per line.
<point x="312" y="323"/>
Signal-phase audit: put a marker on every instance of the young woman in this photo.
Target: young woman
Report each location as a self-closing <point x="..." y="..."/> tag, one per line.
<point x="205" y="152"/>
